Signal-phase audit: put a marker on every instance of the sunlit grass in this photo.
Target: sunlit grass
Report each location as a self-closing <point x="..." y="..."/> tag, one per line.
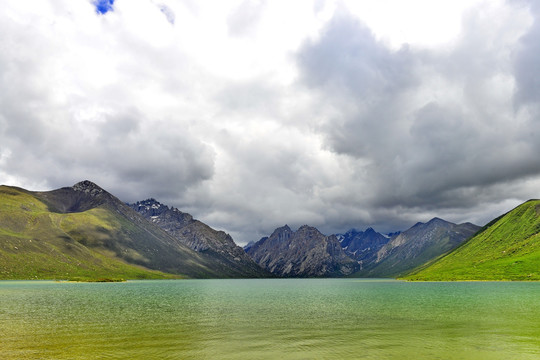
<point x="36" y="243"/>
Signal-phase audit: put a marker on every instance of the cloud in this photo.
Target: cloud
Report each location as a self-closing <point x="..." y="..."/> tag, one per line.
<point x="526" y="60"/>
<point x="168" y="12"/>
<point x="433" y="125"/>
<point x="84" y="103"/>
<point x="245" y="17"/>
<point x="253" y="114"/>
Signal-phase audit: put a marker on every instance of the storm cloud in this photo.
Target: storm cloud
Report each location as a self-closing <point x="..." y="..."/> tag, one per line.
<point x="253" y="114"/>
<point x="433" y="126"/>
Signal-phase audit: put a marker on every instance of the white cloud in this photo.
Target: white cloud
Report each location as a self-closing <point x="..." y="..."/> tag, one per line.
<point x="252" y="114"/>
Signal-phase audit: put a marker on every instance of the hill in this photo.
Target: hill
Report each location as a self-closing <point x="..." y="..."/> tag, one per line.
<point x="508" y="248"/>
<point x="416" y="246"/>
<point x="36" y="243"/>
<point x="85" y="232"/>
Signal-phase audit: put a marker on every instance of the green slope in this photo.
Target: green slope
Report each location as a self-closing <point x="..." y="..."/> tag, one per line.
<point x="38" y="244"/>
<point x="508" y="248"/>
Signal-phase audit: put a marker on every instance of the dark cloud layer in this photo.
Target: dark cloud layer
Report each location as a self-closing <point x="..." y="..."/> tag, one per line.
<point x="428" y="122"/>
<point x="527" y="58"/>
<point x="341" y="131"/>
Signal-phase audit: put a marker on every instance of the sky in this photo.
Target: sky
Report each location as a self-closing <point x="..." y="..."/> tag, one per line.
<point x="252" y="114"/>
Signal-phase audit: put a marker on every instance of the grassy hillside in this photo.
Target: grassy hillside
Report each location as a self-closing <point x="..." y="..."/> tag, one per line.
<point x="508" y="248"/>
<point x="36" y="243"/>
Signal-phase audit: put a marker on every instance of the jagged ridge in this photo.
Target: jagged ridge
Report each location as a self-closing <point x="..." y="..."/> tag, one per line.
<point x="200" y="237"/>
<point x="302" y="253"/>
<point x="362" y="245"/>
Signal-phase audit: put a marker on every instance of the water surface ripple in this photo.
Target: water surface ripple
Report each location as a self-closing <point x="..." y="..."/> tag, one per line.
<point x="269" y="319"/>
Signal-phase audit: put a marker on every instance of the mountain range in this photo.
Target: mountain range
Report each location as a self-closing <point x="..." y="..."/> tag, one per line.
<point x="308" y="253"/>
<point x="415" y="246"/>
<point x="302" y="253"/>
<point x="507" y="248"/>
<point x="84" y="232"/>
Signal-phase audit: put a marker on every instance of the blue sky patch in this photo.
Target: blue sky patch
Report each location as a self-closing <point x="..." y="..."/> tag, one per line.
<point x="103" y="6"/>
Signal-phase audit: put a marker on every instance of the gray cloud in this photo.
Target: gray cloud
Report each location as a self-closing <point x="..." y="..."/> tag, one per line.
<point x="348" y="59"/>
<point x="65" y="116"/>
<point x="526" y="62"/>
<point x="436" y="127"/>
<point x="364" y="135"/>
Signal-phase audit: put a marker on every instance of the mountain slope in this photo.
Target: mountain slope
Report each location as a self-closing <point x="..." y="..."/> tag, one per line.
<point x="302" y="253"/>
<point x="201" y="238"/>
<point x="84" y="230"/>
<point x="362" y="245"/>
<point x="416" y="246"/>
<point x="508" y="248"/>
<point x="36" y="243"/>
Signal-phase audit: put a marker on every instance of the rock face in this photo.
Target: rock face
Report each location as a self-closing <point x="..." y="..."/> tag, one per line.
<point x="362" y="245"/>
<point x="84" y="195"/>
<point x="199" y="237"/>
<point x="302" y="253"/>
<point x="416" y="246"/>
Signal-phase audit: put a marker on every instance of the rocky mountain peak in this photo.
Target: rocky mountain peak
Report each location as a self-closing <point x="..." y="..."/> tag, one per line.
<point x="82" y="196"/>
<point x="162" y="214"/>
<point x="151" y="203"/>
<point x="437" y="221"/>
<point x="308" y="231"/>
<point x="362" y="245"/>
<point x="88" y="187"/>
<point x="304" y="252"/>
<point x="307" y="227"/>
<point x="282" y="233"/>
<point x="150" y="206"/>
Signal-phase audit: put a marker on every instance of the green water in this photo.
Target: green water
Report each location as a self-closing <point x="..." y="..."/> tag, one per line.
<point x="269" y="319"/>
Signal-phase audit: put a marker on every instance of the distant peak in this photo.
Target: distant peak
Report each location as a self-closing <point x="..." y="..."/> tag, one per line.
<point x="437" y="220"/>
<point x="150" y="203"/>
<point x="284" y="228"/>
<point x="307" y="229"/>
<point x="282" y="232"/>
<point x="87" y="186"/>
<point x="418" y="224"/>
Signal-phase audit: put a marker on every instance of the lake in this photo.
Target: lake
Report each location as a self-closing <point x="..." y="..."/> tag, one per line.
<point x="270" y="319"/>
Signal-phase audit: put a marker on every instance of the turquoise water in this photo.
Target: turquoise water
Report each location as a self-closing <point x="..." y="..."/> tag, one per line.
<point x="269" y="319"/>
